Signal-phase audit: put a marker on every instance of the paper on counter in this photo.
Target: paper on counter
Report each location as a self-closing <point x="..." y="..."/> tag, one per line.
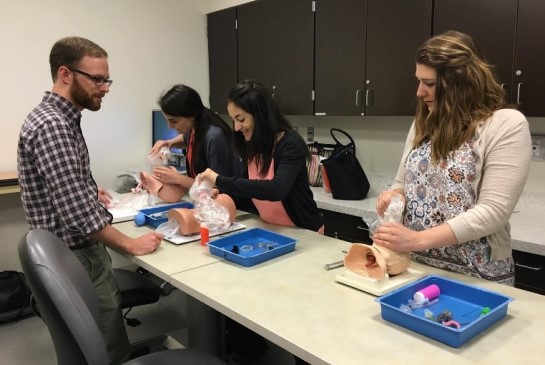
<point x="180" y="240"/>
<point x="122" y="214"/>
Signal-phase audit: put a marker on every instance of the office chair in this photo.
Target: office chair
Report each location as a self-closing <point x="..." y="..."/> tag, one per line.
<point x="136" y="290"/>
<point x="68" y="304"/>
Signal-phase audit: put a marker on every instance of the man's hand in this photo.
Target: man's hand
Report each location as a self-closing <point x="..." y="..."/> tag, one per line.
<point x="105" y="198"/>
<point x="145" y="244"/>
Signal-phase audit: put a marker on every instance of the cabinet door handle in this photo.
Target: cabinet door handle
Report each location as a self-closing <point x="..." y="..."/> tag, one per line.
<point x="529" y="267"/>
<point x="358" y="97"/>
<point x="362" y="228"/>
<point x="518" y="92"/>
<point x="368" y="97"/>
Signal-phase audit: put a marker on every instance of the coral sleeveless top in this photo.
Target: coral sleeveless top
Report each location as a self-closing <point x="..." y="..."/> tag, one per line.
<point x="269" y="211"/>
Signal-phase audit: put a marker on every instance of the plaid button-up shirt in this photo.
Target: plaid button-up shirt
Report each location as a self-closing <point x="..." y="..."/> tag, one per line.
<point x="58" y="191"/>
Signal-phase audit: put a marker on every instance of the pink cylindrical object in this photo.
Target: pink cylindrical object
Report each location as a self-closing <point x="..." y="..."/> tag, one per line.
<point x="430" y="293"/>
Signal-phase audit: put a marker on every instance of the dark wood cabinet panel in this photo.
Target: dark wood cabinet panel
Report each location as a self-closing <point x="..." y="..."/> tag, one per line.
<point x="222" y="56"/>
<point x="254" y="34"/>
<point x="365" y="55"/>
<point x="345" y="227"/>
<point x="468" y="16"/>
<point x="529" y="272"/>
<point x="293" y="55"/>
<point x="340" y="57"/>
<point x="511" y="35"/>
<point x="358" y="55"/>
<point x="529" y="75"/>
<point x="395" y="30"/>
<point x="276" y="47"/>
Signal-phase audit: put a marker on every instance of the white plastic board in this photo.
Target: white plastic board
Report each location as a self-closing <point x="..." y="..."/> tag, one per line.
<point x="379" y="287"/>
<point x="180" y="240"/>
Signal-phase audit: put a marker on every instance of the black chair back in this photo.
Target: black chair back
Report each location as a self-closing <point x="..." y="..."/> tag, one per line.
<point x="66" y="298"/>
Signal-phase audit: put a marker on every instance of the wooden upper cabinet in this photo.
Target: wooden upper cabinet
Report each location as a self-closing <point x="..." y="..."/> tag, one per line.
<point x="222" y="57"/>
<point x="511" y="35"/>
<point x="254" y="34"/>
<point x="491" y="23"/>
<point x="340" y="57"/>
<point x="293" y="58"/>
<point x="395" y="30"/>
<point x="529" y="71"/>
<point x="358" y="56"/>
<point x="365" y="55"/>
<point x="276" y="47"/>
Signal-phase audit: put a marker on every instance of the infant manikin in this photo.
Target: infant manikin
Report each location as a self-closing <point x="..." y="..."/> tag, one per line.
<point x="376" y="261"/>
<point x="187" y="221"/>
<point x="212" y="213"/>
<point x="170" y="193"/>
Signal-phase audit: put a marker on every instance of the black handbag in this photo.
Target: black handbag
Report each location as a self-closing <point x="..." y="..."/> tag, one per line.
<point x="347" y="179"/>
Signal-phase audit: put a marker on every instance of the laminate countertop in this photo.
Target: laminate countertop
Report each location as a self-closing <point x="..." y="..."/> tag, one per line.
<point x="527" y="221"/>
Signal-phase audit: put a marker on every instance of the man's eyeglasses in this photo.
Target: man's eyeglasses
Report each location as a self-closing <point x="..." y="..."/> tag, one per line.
<point x="99" y="81"/>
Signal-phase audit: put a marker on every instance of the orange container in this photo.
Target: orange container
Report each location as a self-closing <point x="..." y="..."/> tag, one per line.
<point x="325" y="180"/>
<point x="205" y="236"/>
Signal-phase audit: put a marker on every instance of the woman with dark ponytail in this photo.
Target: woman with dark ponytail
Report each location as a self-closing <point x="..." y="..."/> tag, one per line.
<point x="207" y="137"/>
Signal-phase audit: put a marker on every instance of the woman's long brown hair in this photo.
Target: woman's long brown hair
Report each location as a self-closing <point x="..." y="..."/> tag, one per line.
<point x="466" y="93"/>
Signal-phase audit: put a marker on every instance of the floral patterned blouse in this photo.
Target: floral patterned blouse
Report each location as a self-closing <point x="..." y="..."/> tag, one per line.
<point x="438" y="192"/>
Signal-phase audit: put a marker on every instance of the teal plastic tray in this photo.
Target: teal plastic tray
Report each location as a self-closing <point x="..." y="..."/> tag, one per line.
<point x="252" y="246"/>
<point x="157" y="215"/>
<point x="465" y="302"/>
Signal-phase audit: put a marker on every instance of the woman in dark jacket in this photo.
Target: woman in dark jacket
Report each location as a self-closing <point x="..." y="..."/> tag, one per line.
<point x="275" y="155"/>
<point x="207" y="137"/>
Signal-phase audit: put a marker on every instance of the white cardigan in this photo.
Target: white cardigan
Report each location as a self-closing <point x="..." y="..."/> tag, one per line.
<point x="503" y="148"/>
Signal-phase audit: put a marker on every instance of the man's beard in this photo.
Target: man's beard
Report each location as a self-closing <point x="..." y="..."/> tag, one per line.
<point x="82" y="98"/>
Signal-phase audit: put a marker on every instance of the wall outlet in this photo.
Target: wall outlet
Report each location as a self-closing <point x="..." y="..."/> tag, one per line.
<point x="538" y="147"/>
<point x="310" y="134"/>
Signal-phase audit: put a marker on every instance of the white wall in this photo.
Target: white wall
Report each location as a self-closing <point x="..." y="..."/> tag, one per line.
<point x="151" y="45"/>
<point x="209" y="6"/>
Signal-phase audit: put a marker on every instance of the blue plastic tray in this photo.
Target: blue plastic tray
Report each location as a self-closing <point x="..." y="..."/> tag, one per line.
<point x="464" y="301"/>
<point x="157" y="215"/>
<point x="254" y="246"/>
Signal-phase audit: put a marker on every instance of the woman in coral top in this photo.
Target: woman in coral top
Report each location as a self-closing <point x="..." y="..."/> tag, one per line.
<point x="275" y="154"/>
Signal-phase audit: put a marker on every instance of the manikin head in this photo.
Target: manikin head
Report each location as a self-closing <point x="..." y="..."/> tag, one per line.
<point x="376" y="261"/>
<point x="188" y="224"/>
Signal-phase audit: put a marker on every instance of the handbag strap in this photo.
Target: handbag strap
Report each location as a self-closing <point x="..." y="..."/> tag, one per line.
<point x="351" y="144"/>
<point x="320" y="147"/>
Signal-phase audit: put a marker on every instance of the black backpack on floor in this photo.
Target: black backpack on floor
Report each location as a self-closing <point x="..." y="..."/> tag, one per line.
<point x="14" y="297"/>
